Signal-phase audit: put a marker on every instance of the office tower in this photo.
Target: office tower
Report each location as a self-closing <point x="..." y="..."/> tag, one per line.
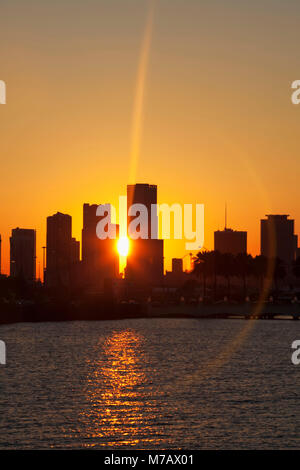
<point x="295" y="246"/>
<point x="230" y="241"/>
<point x="278" y="238"/>
<point x="22" y="254"/>
<point x="62" y="250"/>
<point x="75" y="251"/>
<point x="145" y="194"/>
<point x="99" y="257"/>
<point x="145" y="261"/>
<point x="177" y="265"/>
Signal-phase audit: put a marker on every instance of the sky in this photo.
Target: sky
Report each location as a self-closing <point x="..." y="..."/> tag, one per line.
<point x="191" y="95"/>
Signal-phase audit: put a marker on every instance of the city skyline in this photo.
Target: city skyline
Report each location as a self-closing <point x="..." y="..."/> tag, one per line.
<point x="226" y="240"/>
<point x="201" y="133"/>
<point x="149" y="228"/>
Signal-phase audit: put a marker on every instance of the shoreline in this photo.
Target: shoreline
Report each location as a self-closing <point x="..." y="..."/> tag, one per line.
<point x="62" y="312"/>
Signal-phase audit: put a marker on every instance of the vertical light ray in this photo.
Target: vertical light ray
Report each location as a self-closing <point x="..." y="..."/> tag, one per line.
<point x="138" y="108"/>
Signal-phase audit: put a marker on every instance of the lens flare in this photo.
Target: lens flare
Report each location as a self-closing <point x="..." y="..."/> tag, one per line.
<point x="138" y="106"/>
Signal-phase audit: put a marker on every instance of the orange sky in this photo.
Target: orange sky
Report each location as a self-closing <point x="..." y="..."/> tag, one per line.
<point x="206" y="84"/>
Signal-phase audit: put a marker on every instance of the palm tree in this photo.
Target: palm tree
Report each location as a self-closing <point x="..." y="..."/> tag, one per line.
<point x="228" y="269"/>
<point x="279" y="272"/>
<point x="216" y="262"/>
<point x="203" y="266"/>
<point x="244" y="269"/>
<point x="260" y="268"/>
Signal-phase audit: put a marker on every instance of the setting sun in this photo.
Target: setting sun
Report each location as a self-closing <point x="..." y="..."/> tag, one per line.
<point x="123" y="246"/>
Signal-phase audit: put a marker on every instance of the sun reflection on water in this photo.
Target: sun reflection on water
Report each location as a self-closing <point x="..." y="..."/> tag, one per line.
<point x="117" y="414"/>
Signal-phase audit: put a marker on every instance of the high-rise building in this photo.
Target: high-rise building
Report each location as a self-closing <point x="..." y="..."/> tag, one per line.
<point x="177" y="265"/>
<point x="75" y="251"/>
<point x="62" y="250"/>
<point x="278" y="238"/>
<point x="99" y="257"/>
<point x="0" y="252"/>
<point x="177" y="277"/>
<point x="22" y="254"/>
<point x="230" y="241"/>
<point x="145" y="261"/>
<point x="145" y="194"/>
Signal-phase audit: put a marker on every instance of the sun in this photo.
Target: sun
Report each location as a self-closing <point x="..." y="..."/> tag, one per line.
<point x="123" y="246"/>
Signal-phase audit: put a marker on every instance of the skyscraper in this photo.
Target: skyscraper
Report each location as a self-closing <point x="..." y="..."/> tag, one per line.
<point x="230" y="241"/>
<point x="75" y="251"/>
<point x="278" y="238"/>
<point x="145" y="261"/>
<point x="22" y="254"/>
<point x="62" y="250"/>
<point x="145" y="194"/>
<point x="99" y="257"/>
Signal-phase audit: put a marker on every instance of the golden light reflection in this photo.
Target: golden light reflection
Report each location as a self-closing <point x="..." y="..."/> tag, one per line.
<point x="117" y="413"/>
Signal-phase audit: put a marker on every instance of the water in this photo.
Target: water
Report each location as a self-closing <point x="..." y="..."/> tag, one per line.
<point x="150" y="384"/>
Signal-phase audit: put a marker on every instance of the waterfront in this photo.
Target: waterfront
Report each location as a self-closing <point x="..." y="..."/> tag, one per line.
<point x="150" y="384"/>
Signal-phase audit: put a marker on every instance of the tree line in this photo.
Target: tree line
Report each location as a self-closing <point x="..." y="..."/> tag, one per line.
<point x="213" y="264"/>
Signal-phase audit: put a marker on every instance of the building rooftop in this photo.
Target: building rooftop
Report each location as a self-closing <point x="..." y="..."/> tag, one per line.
<point x="278" y="216"/>
<point x="230" y="230"/>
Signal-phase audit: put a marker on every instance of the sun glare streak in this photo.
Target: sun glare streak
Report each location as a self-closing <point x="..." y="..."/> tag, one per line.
<point x="140" y="94"/>
<point x="123" y="246"/>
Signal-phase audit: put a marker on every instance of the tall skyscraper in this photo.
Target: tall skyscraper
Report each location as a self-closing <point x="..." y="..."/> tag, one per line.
<point x="99" y="257"/>
<point x="230" y="241"/>
<point x="62" y="250"/>
<point x="75" y="251"/>
<point x="0" y="252"/>
<point x="23" y="254"/>
<point x="145" y="261"/>
<point x="278" y="238"/>
<point x="145" y="194"/>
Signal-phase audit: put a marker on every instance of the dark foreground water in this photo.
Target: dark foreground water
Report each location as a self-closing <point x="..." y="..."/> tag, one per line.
<point x="150" y="384"/>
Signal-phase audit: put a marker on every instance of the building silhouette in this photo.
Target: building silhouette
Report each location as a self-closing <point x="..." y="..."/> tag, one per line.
<point x="23" y="254"/>
<point x="145" y="194"/>
<point x="278" y="238"/>
<point x="230" y="241"/>
<point x="145" y="261"/>
<point x="0" y="252"/>
<point x="100" y="259"/>
<point x="177" y="277"/>
<point x="62" y="251"/>
<point x="75" y="251"/>
<point x="177" y="266"/>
